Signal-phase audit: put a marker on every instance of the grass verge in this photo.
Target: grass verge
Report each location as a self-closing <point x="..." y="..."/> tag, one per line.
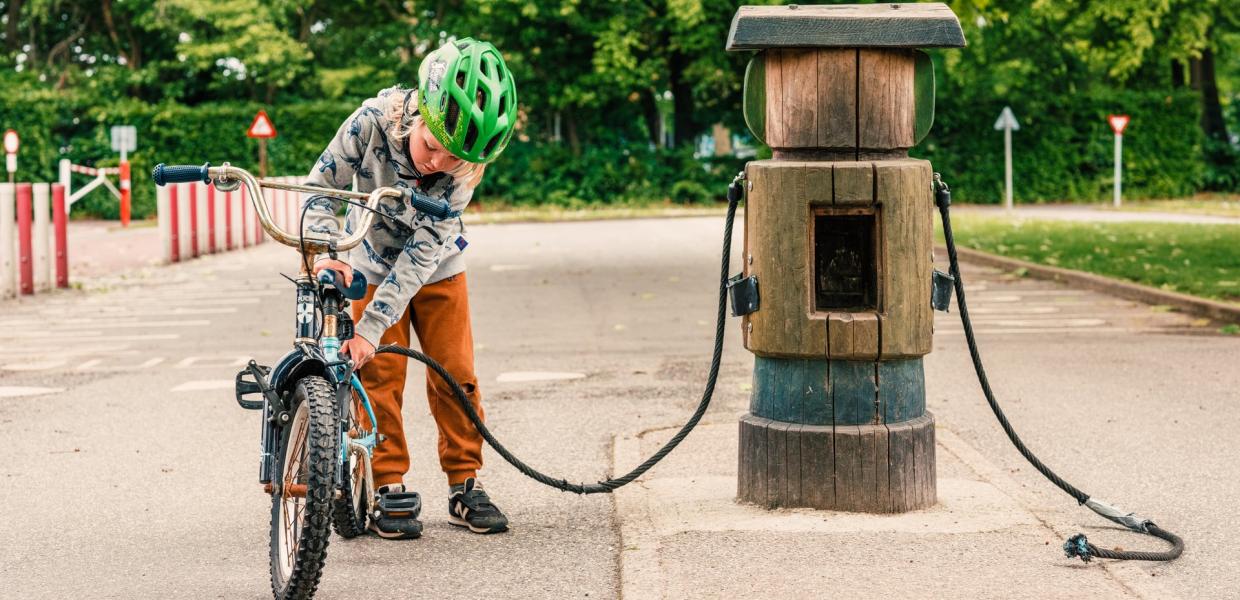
<point x="1219" y="205"/>
<point x="1201" y="260"/>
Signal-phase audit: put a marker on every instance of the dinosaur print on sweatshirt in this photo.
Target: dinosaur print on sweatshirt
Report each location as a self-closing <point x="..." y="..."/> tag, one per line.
<point x="404" y="249"/>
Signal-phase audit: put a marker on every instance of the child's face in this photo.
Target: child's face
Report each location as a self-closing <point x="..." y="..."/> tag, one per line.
<point x="429" y="156"/>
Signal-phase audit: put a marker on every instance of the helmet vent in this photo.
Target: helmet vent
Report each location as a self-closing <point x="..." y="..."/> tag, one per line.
<point x="451" y="116"/>
<point x="490" y="145"/>
<point x="471" y="136"/>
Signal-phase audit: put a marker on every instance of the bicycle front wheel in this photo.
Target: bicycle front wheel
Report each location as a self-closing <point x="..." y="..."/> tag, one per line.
<point x="301" y="501"/>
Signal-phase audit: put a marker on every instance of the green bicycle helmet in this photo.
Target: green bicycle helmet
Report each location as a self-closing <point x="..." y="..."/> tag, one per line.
<point x="468" y="99"/>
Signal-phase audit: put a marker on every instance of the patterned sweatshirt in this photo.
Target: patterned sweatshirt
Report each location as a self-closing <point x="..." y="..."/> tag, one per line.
<point x="405" y="249"/>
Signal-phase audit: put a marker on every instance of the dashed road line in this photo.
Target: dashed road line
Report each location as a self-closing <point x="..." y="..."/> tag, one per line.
<point x="205" y="385"/>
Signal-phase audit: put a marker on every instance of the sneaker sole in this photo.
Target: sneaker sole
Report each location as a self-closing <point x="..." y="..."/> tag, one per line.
<point x="459" y="522"/>
<point x="394" y="536"/>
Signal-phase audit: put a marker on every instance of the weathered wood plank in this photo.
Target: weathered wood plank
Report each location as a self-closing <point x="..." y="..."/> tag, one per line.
<point x="901" y="389"/>
<point x="774" y="85"/>
<point x="753" y="460"/>
<point x="923" y="439"/>
<point x="818" y="466"/>
<point x="793" y="468"/>
<point x="852" y="336"/>
<point x="886" y="102"/>
<point x="836" y="101"/>
<point x="882" y="461"/>
<point x="853" y="391"/>
<point x="868" y="491"/>
<point x="901" y="467"/>
<point x="849" y="472"/>
<point x="777" y="464"/>
<point x="914" y="25"/>
<point x="853" y="183"/>
<point x="792" y="390"/>
<point x="778" y="241"/>
<point x="800" y="97"/>
<point x="906" y="221"/>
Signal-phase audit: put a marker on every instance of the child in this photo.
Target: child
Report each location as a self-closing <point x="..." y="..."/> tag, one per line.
<point x="437" y="140"/>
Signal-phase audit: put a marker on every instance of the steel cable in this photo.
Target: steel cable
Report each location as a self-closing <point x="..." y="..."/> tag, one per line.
<point x="1078" y="545"/>
<point x="607" y="485"/>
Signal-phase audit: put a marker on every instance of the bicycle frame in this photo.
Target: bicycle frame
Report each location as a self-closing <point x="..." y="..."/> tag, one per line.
<point x="315" y="352"/>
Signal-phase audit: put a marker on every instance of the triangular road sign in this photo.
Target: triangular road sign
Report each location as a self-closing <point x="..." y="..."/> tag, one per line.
<point x="1007" y="120"/>
<point x="1118" y="123"/>
<point x="261" y="127"/>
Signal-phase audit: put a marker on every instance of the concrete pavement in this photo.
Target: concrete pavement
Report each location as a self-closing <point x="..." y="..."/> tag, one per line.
<point x="131" y="471"/>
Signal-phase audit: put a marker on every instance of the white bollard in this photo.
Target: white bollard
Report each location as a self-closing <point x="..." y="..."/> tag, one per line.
<point x="8" y="266"/>
<point x="165" y="221"/>
<point x="41" y="238"/>
<point x="184" y="235"/>
<point x="66" y="179"/>
<point x="204" y="222"/>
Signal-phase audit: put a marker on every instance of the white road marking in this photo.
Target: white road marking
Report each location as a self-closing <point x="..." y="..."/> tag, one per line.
<point x="95" y="336"/>
<point x="503" y="268"/>
<point x="224" y="360"/>
<point x="93" y="365"/>
<point x="110" y="323"/>
<point x="18" y="391"/>
<point x="528" y="376"/>
<point x="1040" y="330"/>
<point x="34" y="366"/>
<point x="1014" y="310"/>
<point x="205" y="384"/>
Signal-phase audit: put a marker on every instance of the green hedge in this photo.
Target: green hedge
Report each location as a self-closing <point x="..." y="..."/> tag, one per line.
<point x="1064" y="149"/>
<point x="1062" y="152"/>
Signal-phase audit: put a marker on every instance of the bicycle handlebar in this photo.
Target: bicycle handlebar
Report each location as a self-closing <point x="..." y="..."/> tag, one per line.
<point x="180" y="174"/>
<point x="228" y="178"/>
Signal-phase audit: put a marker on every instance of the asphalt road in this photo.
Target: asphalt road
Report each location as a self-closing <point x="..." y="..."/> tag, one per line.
<point x="131" y="473"/>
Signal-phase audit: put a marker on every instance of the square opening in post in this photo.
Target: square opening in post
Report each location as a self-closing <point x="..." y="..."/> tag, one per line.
<point x="845" y="266"/>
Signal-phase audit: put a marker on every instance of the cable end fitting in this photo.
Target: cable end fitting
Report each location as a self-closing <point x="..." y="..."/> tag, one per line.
<point x="1078" y="546"/>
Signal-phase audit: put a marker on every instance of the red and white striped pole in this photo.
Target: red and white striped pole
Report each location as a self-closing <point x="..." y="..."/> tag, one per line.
<point x="211" y="219"/>
<point x="174" y="240"/>
<point x="193" y="219"/>
<point x="25" y="242"/>
<point x="60" y="228"/>
<point x="125" y="191"/>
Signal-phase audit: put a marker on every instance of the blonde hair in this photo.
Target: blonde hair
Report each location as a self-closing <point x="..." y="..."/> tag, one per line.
<point x="404" y="122"/>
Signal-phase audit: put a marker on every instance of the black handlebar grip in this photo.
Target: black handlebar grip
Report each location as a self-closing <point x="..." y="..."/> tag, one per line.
<point x="332" y="277"/>
<point x="440" y="209"/>
<point x="164" y="174"/>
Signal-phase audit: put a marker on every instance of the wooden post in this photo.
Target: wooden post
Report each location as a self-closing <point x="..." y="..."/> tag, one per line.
<point x="839" y="233"/>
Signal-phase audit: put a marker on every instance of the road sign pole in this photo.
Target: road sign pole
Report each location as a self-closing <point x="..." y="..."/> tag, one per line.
<point x="262" y="157"/>
<point x="1007" y="166"/>
<point x="1119" y="168"/>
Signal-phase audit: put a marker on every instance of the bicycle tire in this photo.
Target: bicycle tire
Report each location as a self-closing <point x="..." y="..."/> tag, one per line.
<point x="351" y="509"/>
<point x="312" y="437"/>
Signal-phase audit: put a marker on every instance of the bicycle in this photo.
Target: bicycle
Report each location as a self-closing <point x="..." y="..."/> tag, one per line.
<point x="319" y="430"/>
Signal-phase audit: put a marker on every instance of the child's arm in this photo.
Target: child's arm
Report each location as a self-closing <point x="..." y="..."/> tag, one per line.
<point x="337" y="165"/>
<point x="423" y="251"/>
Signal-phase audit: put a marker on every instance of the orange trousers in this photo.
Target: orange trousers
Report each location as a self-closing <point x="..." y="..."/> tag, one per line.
<point x="439" y="315"/>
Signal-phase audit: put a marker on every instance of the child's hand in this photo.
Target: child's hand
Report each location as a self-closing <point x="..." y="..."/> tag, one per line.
<point x="358" y="349"/>
<point x="330" y="263"/>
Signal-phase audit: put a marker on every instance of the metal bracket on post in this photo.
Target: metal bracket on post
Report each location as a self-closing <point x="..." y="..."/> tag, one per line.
<point x="744" y="293"/>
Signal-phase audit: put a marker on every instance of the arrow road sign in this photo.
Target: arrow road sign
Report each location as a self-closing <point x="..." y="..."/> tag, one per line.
<point x="1007" y="120"/>
<point x="1007" y="124"/>
<point x="124" y="138"/>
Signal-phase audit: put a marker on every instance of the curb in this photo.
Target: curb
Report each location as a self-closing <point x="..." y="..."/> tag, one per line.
<point x="1219" y="311"/>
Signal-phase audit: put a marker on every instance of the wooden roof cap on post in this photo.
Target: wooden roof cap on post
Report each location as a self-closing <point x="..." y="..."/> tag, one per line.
<point x="913" y="25"/>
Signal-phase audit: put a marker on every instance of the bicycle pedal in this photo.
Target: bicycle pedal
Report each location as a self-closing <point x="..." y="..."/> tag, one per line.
<point x="398" y="505"/>
<point x="246" y="387"/>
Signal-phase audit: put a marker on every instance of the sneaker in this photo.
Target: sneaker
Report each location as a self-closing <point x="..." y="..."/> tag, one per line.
<point x="469" y="506"/>
<point x="396" y="513"/>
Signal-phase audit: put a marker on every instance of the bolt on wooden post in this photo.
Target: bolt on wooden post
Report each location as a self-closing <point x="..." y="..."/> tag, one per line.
<point x="838" y="232"/>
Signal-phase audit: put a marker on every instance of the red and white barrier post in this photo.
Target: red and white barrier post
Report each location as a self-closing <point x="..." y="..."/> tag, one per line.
<point x="125" y="190"/>
<point x="25" y="243"/>
<point x="60" y="220"/>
